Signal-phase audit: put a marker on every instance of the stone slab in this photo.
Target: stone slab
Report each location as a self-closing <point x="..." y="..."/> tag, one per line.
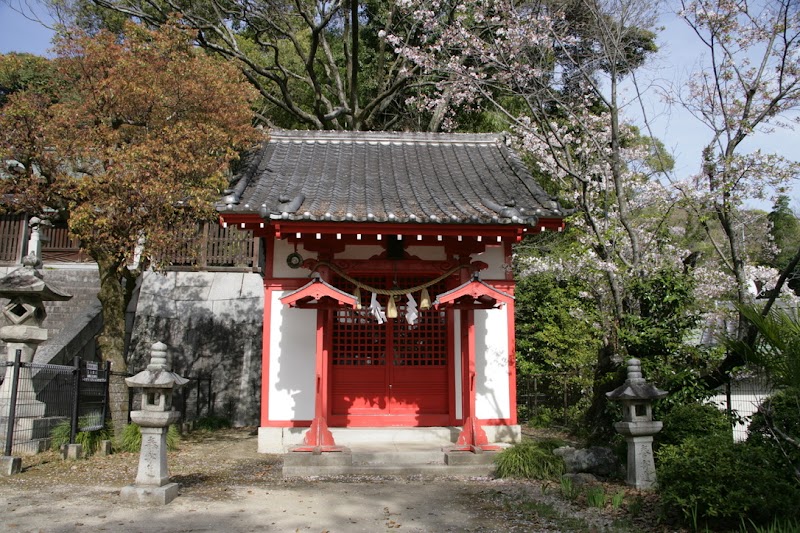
<point x="253" y="286"/>
<point x="459" y="458"/>
<point x="311" y="460"/>
<point x="10" y="466"/>
<point x="226" y="286"/>
<point x="73" y="452"/>
<point x="150" y="495"/>
<point x="194" y="279"/>
<point x="158" y="283"/>
<point x="105" y="447"/>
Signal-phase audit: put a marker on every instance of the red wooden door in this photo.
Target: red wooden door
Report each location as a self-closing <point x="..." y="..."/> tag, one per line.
<point x="392" y="374"/>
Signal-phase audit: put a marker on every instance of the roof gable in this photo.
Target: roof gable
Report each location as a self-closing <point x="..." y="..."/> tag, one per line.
<point x="389" y="177"/>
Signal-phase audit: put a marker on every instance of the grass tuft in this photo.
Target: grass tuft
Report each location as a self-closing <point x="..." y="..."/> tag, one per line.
<point x="530" y="460"/>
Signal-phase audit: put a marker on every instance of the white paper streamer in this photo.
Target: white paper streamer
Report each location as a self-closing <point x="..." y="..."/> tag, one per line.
<point x="375" y="309"/>
<point x="411" y="310"/>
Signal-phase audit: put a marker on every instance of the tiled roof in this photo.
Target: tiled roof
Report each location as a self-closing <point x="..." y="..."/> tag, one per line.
<point x="389" y="177"/>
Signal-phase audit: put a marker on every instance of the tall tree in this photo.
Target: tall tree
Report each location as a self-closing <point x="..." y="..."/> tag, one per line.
<point x="555" y="69"/>
<point x="317" y="64"/>
<point x="136" y="145"/>
<point x="751" y="84"/>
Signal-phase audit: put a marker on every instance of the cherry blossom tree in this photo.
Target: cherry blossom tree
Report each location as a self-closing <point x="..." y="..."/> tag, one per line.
<point x="749" y="84"/>
<point x="554" y="71"/>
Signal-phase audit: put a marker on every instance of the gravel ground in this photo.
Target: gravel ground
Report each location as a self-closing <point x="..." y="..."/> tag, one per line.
<point x="227" y="486"/>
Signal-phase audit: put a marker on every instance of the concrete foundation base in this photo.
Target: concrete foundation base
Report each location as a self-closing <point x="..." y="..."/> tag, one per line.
<point x="10" y="465"/>
<point x="152" y="495"/>
<point x="459" y="458"/>
<point x="105" y="448"/>
<point x="72" y="452"/>
<point x="281" y="440"/>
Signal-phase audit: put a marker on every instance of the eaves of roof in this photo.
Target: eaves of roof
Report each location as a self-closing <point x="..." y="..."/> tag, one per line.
<point x="386" y="177"/>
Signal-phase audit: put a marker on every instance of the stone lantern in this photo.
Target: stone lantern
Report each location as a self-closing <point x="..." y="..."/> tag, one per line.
<point x="23" y="332"/>
<point x="157" y="383"/>
<point x="638" y="426"/>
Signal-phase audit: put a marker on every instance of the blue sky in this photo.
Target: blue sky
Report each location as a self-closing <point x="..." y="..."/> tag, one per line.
<point x="679" y="54"/>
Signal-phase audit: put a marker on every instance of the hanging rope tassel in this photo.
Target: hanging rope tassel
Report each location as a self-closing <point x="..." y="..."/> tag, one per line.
<point x="391" y="308"/>
<point x="425" y="300"/>
<point x="357" y="294"/>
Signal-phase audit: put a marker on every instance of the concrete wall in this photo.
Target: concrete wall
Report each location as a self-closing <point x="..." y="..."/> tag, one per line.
<point x="211" y="322"/>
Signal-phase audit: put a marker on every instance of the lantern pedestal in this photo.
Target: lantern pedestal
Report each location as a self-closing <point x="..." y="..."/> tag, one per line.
<point x="157" y="383"/>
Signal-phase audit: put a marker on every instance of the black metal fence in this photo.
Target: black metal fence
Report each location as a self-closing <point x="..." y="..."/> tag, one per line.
<point x="37" y="398"/>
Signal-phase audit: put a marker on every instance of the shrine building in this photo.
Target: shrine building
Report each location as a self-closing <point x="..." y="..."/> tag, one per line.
<point x="388" y="288"/>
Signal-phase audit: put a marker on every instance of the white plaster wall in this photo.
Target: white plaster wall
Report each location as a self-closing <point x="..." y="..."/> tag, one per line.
<point x="292" y="349"/>
<point x="426" y="253"/>
<point x="360" y="252"/>
<point x="457" y="363"/>
<point x="280" y="252"/>
<point x="491" y="363"/>
<point x="494" y="257"/>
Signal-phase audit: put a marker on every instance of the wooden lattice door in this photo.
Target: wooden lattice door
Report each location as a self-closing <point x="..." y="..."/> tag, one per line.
<point x="389" y="374"/>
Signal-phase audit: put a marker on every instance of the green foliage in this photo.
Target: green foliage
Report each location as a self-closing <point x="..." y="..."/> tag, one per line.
<point x="530" y="459"/>
<point x="569" y="489"/>
<point x="692" y="420"/>
<point x="131" y="440"/>
<point x="617" y="499"/>
<point x="711" y="481"/>
<point x="21" y="72"/>
<point x="776" y="349"/>
<point x="557" y="343"/>
<point x="776" y="526"/>
<point x="89" y="440"/>
<point x="785" y="231"/>
<point x="212" y="423"/>
<point x="596" y="497"/>
<point x="776" y="427"/>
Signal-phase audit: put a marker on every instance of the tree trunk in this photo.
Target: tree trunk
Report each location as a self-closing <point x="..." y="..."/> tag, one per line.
<point x="111" y="341"/>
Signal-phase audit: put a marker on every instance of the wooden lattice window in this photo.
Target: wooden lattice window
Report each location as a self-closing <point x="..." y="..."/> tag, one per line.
<point x="359" y="340"/>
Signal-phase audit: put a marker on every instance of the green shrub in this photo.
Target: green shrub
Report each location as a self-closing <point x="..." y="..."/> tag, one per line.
<point x="131" y="440"/>
<point x="530" y="459"/>
<point x="212" y="423"/>
<point x="712" y="481"/>
<point x="89" y="440"/>
<point x="775" y="424"/>
<point x="692" y="420"/>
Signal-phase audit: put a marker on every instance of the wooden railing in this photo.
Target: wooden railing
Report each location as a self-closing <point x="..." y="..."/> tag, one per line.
<point x="206" y="246"/>
<point x="12" y="238"/>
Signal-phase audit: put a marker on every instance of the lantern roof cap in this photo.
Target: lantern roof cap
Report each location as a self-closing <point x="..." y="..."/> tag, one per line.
<point x="27" y="281"/>
<point x="635" y="387"/>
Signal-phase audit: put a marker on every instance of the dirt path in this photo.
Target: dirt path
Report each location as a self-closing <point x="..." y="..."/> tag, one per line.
<point x="227" y="486"/>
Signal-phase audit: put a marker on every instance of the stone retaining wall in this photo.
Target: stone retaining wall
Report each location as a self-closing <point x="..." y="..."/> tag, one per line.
<point x="212" y="323"/>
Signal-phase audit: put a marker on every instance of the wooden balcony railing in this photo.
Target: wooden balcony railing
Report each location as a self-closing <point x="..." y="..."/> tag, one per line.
<point x="206" y="246"/>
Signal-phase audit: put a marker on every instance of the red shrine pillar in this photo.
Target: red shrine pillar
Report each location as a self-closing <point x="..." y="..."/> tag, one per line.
<point x="472" y="437"/>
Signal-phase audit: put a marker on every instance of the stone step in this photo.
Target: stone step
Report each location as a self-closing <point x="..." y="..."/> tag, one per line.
<point x="433" y="471"/>
<point x="441" y="435"/>
<point x="390" y="459"/>
<point x="385" y="458"/>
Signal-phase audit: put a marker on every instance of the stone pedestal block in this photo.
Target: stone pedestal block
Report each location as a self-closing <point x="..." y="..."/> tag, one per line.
<point x="73" y="452"/>
<point x="641" y="467"/>
<point x="153" y="471"/>
<point x="152" y="495"/>
<point x="105" y="447"/>
<point x="10" y="465"/>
